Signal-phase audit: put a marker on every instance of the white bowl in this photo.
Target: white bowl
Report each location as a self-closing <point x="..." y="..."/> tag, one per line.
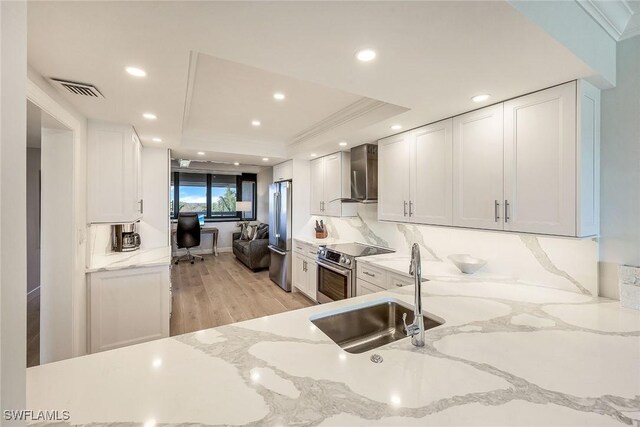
<point x="466" y="263"/>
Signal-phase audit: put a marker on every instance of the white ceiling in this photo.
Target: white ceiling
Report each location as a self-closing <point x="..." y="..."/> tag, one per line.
<point x="432" y="57"/>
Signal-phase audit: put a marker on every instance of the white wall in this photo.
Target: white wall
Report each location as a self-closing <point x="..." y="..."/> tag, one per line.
<point x="300" y="199"/>
<point x="42" y="94"/>
<point x="33" y="218"/>
<point x="265" y="178"/>
<point x="571" y="25"/>
<point x="57" y="249"/>
<point x="13" y="248"/>
<point x="154" y="226"/>
<point x="620" y="169"/>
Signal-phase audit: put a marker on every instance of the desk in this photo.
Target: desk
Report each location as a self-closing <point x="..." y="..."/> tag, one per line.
<point x="203" y="230"/>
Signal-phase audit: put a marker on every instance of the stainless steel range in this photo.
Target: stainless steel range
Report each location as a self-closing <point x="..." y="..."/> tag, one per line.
<point x="337" y="269"/>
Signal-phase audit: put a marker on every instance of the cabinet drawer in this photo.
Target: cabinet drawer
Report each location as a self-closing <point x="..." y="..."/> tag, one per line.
<point x="371" y="274"/>
<point x="301" y="247"/>
<point x="396" y="280"/>
<point x="366" y="288"/>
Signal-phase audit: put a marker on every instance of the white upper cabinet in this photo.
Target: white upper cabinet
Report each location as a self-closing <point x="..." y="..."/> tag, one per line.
<point x="540" y="162"/>
<point x="114" y="156"/>
<point x="414" y="171"/>
<point x="394" y="177"/>
<point x="316" y="195"/>
<point x="330" y="182"/>
<point x="588" y="160"/>
<point x="477" y="168"/>
<point x="431" y="174"/>
<point x="283" y="171"/>
<point x="528" y="165"/>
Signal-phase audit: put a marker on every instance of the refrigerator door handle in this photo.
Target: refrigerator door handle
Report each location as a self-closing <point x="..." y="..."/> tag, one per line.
<point x="276" y="250"/>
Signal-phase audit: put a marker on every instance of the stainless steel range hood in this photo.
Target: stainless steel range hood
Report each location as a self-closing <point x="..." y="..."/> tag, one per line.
<point x="364" y="174"/>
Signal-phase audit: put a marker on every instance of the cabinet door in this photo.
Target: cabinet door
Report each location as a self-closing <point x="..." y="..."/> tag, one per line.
<point x="431" y="174"/>
<point x="477" y="168"/>
<point x="299" y="279"/>
<point x="332" y="184"/>
<point x="393" y="178"/>
<point x="128" y="306"/>
<point x="137" y="176"/>
<point x="283" y="171"/>
<point x="540" y="162"/>
<point x="108" y="150"/>
<point x="366" y="288"/>
<point x="312" y="278"/>
<point x="316" y="190"/>
<point x="114" y="181"/>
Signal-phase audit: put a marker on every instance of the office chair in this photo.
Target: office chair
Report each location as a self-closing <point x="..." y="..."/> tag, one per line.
<point x="188" y="235"/>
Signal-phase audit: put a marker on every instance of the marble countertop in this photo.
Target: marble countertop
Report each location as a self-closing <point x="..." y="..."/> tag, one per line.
<point x="140" y="258"/>
<point x="507" y="355"/>
<point x="318" y="242"/>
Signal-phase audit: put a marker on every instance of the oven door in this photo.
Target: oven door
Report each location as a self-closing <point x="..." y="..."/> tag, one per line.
<point x="334" y="282"/>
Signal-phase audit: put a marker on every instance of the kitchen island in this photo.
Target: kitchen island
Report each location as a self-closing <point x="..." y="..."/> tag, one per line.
<point x="508" y="354"/>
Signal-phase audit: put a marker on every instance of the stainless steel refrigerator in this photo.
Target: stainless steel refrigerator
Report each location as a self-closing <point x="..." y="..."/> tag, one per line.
<point x="280" y="234"/>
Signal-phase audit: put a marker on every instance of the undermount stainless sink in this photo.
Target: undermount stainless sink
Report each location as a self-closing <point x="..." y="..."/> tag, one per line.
<point x="363" y="329"/>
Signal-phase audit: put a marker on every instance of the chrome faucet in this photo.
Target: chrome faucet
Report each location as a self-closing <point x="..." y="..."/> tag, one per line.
<point x="416" y="329"/>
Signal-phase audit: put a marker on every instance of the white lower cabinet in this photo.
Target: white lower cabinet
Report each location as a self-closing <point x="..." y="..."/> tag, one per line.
<point x="366" y="288"/>
<point x="372" y="278"/>
<point x="305" y="269"/>
<point x="128" y="306"/>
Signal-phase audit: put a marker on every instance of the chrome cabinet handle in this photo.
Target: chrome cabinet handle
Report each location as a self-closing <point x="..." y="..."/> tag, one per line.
<point x="405" y="208"/>
<point x="506" y="211"/>
<point x="496" y="211"/>
<point x="369" y="274"/>
<point x="304" y="265"/>
<point x="410" y="208"/>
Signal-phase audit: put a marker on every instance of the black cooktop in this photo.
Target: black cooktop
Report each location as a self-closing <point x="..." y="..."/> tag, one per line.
<point x="357" y="249"/>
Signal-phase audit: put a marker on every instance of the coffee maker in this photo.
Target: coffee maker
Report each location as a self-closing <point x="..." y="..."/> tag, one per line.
<point x="124" y="237"/>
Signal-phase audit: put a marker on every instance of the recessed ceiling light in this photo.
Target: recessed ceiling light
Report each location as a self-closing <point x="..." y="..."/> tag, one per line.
<point x="481" y="98"/>
<point x="256" y="123"/>
<point x="156" y="139"/>
<point x="200" y="153"/>
<point x="366" y="55"/>
<point x="265" y="159"/>
<point x="236" y="164"/>
<point x="149" y="116"/>
<point x="313" y="154"/>
<point x="279" y="96"/>
<point x="396" y="127"/>
<point x="134" y="71"/>
<point x="342" y="144"/>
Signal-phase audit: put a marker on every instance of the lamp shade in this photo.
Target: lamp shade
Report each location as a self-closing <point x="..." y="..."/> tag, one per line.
<point x="244" y="206"/>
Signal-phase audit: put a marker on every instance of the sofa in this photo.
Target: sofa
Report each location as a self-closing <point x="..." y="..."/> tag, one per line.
<point x="252" y="253"/>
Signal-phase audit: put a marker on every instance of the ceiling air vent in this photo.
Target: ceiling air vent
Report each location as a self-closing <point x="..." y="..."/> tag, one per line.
<point x="76" y="88"/>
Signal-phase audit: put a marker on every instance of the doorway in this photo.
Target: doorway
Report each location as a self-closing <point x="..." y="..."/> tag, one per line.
<point x="50" y="252"/>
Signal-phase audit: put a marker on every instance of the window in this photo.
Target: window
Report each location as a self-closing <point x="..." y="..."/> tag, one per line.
<point x="223" y="195"/>
<point x="192" y="196"/>
<point x="214" y="195"/>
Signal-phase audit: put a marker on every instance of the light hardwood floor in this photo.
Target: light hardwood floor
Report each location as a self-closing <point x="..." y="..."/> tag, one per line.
<point x="221" y="290"/>
<point x="33" y="328"/>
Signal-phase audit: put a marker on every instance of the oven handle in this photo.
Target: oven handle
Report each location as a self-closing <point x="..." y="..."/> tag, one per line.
<point x="341" y="271"/>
